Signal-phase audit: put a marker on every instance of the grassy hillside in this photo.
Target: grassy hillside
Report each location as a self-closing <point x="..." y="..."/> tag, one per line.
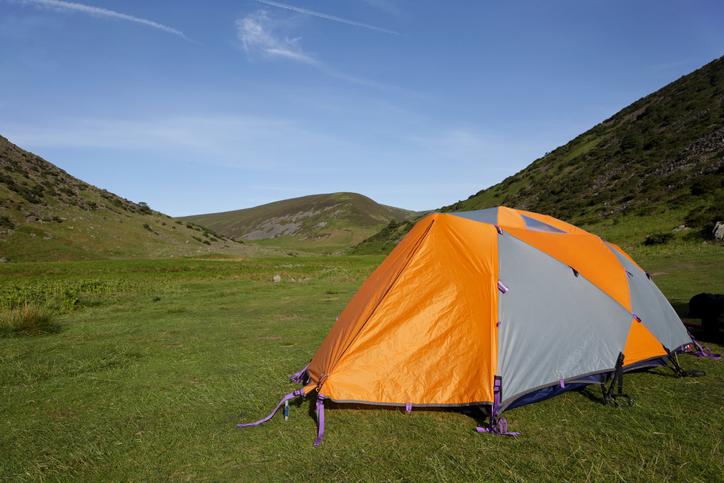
<point x="48" y="215"/>
<point x="654" y="166"/>
<point x="317" y="223"/>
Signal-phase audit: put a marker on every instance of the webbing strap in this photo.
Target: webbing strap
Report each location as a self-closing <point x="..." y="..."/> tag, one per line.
<point x="706" y="352"/>
<point x="502" y="428"/>
<point x="320" y="418"/>
<point x="299" y="392"/>
<point x="298" y="377"/>
<point x="703" y="351"/>
<point x="497" y="425"/>
<point x="674" y="359"/>
<point x="618" y="381"/>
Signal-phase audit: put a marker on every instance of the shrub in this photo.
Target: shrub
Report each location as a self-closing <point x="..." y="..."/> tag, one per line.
<point x="706" y="184"/>
<point x="631" y="140"/>
<point x="5" y="222"/>
<point x="658" y="239"/>
<point x="144" y="209"/>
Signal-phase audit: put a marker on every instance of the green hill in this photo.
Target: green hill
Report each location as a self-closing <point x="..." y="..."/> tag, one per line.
<point x="48" y="215"/>
<point x="655" y="165"/>
<point x="318" y="223"/>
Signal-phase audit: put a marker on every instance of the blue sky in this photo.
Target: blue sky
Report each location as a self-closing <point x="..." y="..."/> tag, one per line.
<point x="206" y="106"/>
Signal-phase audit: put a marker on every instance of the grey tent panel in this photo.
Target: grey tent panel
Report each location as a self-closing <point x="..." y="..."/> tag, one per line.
<point x="554" y="324"/>
<point x="650" y="305"/>
<point x="489" y="216"/>
<point x="536" y="225"/>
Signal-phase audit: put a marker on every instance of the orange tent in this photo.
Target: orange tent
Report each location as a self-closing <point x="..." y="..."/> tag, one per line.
<point x="493" y="308"/>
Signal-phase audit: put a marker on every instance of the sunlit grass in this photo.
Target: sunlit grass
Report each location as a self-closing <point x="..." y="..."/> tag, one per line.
<point x="149" y="385"/>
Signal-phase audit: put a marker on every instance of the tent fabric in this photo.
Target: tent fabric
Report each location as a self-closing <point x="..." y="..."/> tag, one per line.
<point x="433" y="326"/>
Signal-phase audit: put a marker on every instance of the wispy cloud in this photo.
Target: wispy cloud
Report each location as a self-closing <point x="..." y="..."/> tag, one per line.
<point x="78" y="7"/>
<point x="325" y="16"/>
<point x="258" y="35"/>
<point x="255" y="33"/>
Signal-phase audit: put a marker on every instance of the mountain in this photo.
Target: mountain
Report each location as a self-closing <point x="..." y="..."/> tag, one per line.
<point x="662" y="158"/>
<point x="48" y="215"/>
<point x="318" y="223"/>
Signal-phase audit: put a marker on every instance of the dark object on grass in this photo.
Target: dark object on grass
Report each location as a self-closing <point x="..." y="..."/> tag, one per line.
<point x="710" y="309"/>
<point x="658" y="239"/>
<point x="698" y="302"/>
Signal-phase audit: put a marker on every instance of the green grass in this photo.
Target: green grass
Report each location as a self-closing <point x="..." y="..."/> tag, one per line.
<point x="147" y="383"/>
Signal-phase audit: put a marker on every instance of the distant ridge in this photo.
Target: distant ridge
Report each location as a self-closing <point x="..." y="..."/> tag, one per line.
<point x="321" y="223"/>
<point x="661" y="156"/>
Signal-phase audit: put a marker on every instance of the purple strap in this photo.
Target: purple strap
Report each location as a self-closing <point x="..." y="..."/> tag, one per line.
<point x="500" y="230"/>
<point x="629" y="274"/>
<point x="562" y="383"/>
<point x="320" y="416"/>
<point x="497" y="425"/>
<point x="704" y="351"/>
<point x="501" y="429"/>
<point x="298" y="377"/>
<point x="636" y="317"/>
<point x="502" y="287"/>
<point x="299" y="392"/>
<point x="408" y="407"/>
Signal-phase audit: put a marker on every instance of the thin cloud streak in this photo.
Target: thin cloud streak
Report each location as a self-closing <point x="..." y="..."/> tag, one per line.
<point x="103" y="12"/>
<point x="328" y="17"/>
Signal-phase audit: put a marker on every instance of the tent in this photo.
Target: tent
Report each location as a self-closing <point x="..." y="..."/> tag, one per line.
<point x="493" y="308"/>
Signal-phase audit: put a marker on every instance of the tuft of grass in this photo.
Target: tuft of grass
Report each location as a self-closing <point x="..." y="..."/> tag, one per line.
<point x="28" y="320"/>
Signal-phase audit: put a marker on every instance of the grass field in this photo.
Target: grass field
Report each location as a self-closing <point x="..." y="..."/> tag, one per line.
<point x="155" y="362"/>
